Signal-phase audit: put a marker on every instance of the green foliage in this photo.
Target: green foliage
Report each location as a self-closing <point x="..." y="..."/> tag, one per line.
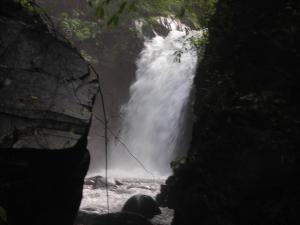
<point x="197" y="12"/>
<point x="153" y="20"/>
<point x="76" y="27"/>
<point x="88" y="57"/>
<point x="200" y="41"/>
<point x="100" y="12"/>
<point x="113" y="20"/>
<point x="200" y="10"/>
<point x="27" y="4"/>
<point x="177" y="163"/>
<point x="85" y="25"/>
<point x="159" y="7"/>
<point x="109" y="12"/>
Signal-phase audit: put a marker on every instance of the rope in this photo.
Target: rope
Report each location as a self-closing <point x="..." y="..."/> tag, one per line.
<point x="105" y="135"/>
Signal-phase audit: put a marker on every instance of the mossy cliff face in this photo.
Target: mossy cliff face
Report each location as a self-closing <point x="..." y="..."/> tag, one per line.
<point x="243" y="163"/>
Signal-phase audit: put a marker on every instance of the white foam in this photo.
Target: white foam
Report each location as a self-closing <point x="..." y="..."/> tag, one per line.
<point x="152" y="118"/>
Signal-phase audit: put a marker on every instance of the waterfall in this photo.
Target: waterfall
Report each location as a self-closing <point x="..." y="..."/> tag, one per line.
<point x="151" y="120"/>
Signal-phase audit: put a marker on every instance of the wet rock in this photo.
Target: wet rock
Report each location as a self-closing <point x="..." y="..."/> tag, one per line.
<point x="143" y="205"/>
<point x="146" y="187"/>
<point x="118" y="182"/>
<point x="99" y="182"/>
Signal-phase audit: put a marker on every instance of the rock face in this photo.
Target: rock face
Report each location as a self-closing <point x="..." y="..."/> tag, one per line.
<point x="46" y="94"/>
<point x="243" y="163"/>
<point x="45" y="86"/>
<point x="119" y="218"/>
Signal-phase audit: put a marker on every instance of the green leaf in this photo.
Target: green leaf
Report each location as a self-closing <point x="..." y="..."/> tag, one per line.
<point x="64" y="15"/>
<point x="113" y="20"/>
<point x="122" y="7"/>
<point x="132" y="7"/>
<point x="83" y="33"/>
<point x="100" y="12"/>
<point x="26" y="4"/>
<point x="181" y="13"/>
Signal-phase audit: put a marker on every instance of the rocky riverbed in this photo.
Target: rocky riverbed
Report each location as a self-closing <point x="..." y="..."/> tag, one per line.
<point x="119" y="190"/>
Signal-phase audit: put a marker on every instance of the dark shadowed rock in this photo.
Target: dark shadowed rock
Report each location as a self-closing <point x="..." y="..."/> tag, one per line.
<point x="118" y="182"/>
<point x="120" y="218"/>
<point x="46" y="94"/>
<point x="243" y="162"/>
<point x="86" y="217"/>
<point x="143" y="205"/>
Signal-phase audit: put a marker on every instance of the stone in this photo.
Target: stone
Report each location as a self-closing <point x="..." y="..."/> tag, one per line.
<point x="99" y="182"/>
<point x="47" y="94"/>
<point x="143" y="205"/>
<point x="119" y="218"/>
<point x="46" y="89"/>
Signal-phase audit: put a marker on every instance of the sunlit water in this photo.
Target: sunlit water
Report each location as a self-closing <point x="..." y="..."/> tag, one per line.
<point x="152" y="118"/>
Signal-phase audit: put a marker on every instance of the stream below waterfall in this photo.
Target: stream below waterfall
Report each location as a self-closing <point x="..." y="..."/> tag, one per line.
<point x="121" y="189"/>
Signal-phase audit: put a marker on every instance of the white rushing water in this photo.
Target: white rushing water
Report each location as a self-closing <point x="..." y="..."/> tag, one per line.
<point x="94" y="198"/>
<point x="152" y="119"/>
<point x="153" y="122"/>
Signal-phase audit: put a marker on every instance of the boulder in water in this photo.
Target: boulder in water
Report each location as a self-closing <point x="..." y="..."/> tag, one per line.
<point x="143" y="205"/>
<point x="99" y="182"/>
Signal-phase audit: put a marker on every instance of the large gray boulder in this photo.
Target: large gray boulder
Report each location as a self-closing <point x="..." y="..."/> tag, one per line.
<point x="46" y="101"/>
<point x="46" y="88"/>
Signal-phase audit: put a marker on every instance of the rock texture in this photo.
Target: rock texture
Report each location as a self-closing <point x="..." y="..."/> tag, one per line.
<point x="143" y="205"/>
<point x="46" y="89"/>
<point x="100" y="182"/>
<point x="243" y="163"/>
<point x="119" y="218"/>
<point x="46" y="94"/>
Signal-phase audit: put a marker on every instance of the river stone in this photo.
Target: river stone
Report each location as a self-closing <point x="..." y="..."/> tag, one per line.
<point x="143" y="205"/>
<point x="46" y="88"/>
<point x="99" y="182"/>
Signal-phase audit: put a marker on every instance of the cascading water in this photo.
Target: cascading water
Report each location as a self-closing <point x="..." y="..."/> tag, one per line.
<point x="151" y="119"/>
<point x="153" y="124"/>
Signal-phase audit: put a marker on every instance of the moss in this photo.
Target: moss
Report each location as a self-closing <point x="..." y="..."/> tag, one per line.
<point x="153" y="20"/>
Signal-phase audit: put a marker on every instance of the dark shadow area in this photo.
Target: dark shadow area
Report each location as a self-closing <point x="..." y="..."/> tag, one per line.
<point x="243" y="163"/>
